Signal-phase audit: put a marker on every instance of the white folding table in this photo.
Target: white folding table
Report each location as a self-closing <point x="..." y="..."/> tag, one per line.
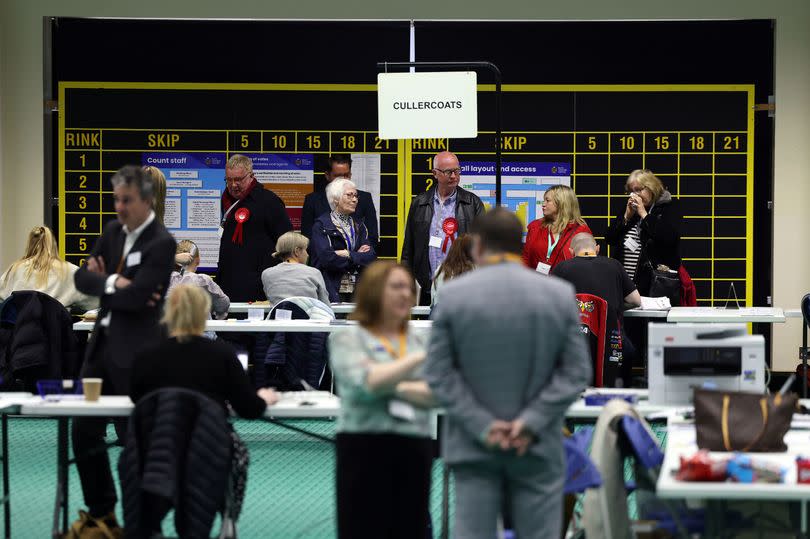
<point x="764" y="315"/>
<point x="681" y="441"/>
<point x="294" y="405"/>
<point x="275" y="326"/>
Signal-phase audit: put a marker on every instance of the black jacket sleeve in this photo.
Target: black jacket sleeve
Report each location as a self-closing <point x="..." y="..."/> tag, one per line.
<point x="407" y="244"/>
<point x="276" y="220"/>
<point x="663" y="227"/>
<point x="616" y="232"/>
<point x="241" y="395"/>
<point x="153" y="274"/>
<point x="370" y="218"/>
<point x="308" y="215"/>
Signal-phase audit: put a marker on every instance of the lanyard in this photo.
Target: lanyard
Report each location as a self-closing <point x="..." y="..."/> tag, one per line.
<point x="227" y="213"/>
<point x="403" y="346"/>
<point x="348" y="236"/>
<point x="551" y="245"/>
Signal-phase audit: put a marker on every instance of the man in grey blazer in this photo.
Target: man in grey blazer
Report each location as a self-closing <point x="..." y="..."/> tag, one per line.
<point x="506" y="359"/>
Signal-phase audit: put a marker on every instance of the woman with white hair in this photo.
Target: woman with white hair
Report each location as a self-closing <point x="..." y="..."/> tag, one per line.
<point x="340" y="245"/>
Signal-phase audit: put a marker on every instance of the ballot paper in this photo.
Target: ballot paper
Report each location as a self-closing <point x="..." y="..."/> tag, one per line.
<point x="655" y="304"/>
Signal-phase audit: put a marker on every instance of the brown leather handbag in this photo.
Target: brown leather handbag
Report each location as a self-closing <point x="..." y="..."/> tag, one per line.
<point x="736" y="421"/>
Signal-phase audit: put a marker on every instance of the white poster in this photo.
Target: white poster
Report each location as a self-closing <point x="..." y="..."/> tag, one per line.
<point x="427" y="105"/>
<point x="206" y="240"/>
<point x="366" y="176"/>
<point x="203" y="213"/>
<point x="172" y="217"/>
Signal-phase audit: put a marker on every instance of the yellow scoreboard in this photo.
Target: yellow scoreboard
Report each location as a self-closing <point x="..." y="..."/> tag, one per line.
<point x="697" y="139"/>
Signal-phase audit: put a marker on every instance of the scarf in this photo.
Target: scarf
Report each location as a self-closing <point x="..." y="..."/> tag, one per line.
<point x="228" y="200"/>
<point x="345" y="223"/>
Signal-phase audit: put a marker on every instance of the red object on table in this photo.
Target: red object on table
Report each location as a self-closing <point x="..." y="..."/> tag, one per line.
<point x="701" y="467"/>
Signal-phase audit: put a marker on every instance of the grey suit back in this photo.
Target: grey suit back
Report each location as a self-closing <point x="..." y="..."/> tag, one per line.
<point x="508" y="329"/>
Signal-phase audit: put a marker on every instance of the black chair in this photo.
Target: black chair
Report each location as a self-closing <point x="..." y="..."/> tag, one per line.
<point x="804" y="351"/>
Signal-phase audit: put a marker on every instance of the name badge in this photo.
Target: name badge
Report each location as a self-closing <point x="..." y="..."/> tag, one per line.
<point x="401" y="410"/>
<point x="133" y="259"/>
<point x="631" y="244"/>
<point x="543" y="268"/>
<point x="220" y="231"/>
<point x="435" y="241"/>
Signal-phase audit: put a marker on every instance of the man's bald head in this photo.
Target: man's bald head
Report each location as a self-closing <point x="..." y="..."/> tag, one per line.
<point x="584" y="243"/>
<point x="447" y="172"/>
<point x="444" y="160"/>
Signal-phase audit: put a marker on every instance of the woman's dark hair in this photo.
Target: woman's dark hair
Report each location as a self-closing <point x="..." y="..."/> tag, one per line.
<point x="459" y="259"/>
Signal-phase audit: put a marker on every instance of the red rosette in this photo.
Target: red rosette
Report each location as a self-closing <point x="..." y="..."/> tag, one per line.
<point x="240" y="216"/>
<point x="449" y="227"/>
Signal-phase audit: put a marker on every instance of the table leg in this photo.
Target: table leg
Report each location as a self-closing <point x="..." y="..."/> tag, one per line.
<point x="61" y="502"/>
<point x="6" y="489"/>
<point x="445" y="533"/>
<point x="803" y="508"/>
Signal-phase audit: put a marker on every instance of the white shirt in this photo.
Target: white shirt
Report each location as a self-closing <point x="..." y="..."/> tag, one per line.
<point x="129" y="241"/>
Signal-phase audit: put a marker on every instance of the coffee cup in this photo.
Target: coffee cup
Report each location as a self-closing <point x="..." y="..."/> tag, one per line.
<point x="91" y="388"/>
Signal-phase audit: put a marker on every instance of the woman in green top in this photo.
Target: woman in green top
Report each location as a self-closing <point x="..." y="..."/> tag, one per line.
<point x="384" y="450"/>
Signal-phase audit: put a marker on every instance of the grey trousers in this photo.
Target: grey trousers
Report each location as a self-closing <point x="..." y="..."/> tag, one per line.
<point x="535" y="492"/>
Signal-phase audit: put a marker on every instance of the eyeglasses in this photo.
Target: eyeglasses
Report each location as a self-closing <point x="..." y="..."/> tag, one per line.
<point x="350" y="196"/>
<point x="237" y="180"/>
<point x="637" y="190"/>
<point x="449" y="171"/>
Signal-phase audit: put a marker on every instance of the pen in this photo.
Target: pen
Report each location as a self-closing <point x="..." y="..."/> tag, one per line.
<point x="787" y="384"/>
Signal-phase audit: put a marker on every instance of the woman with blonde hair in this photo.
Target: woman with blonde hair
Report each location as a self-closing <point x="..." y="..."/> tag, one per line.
<point x="187" y="258"/>
<point x="159" y="193"/>
<point x="548" y="239"/>
<point x="188" y="360"/>
<point x="384" y="428"/>
<point x="648" y="233"/>
<point x="292" y="277"/>
<point x="41" y="269"/>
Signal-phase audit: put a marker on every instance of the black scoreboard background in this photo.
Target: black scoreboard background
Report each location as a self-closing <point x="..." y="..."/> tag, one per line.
<point x="556" y="121"/>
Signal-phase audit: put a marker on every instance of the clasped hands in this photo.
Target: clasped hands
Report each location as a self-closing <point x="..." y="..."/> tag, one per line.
<point x="635" y="204"/>
<point x="508" y="436"/>
<point x="95" y="264"/>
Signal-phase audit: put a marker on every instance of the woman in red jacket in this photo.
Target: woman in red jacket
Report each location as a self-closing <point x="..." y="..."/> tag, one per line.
<point x="548" y="239"/>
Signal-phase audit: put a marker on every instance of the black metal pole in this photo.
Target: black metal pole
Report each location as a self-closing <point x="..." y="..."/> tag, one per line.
<point x="804" y="358"/>
<point x="450" y="66"/>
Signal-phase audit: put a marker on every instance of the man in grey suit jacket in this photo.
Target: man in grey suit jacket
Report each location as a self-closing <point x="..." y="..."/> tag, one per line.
<point x="506" y="359"/>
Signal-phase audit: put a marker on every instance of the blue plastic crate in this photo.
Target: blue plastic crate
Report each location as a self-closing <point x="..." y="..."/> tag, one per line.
<point x="47" y="388"/>
<point x="600" y="399"/>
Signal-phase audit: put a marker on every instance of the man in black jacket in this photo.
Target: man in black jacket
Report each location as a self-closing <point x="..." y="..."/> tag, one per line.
<point x="316" y="204"/>
<point x="129" y="269"/>
<point x="435" y="219"/>
<point x="253" y="218"/>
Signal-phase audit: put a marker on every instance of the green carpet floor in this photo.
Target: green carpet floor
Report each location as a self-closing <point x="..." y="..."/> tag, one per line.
<point x="290" y="481"/>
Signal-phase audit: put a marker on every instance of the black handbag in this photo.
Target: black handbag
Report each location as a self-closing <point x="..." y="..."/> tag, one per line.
<point x="665" y="283"/>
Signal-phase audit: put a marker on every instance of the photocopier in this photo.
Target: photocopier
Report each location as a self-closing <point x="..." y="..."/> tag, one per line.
<point x="681" y="357"/>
